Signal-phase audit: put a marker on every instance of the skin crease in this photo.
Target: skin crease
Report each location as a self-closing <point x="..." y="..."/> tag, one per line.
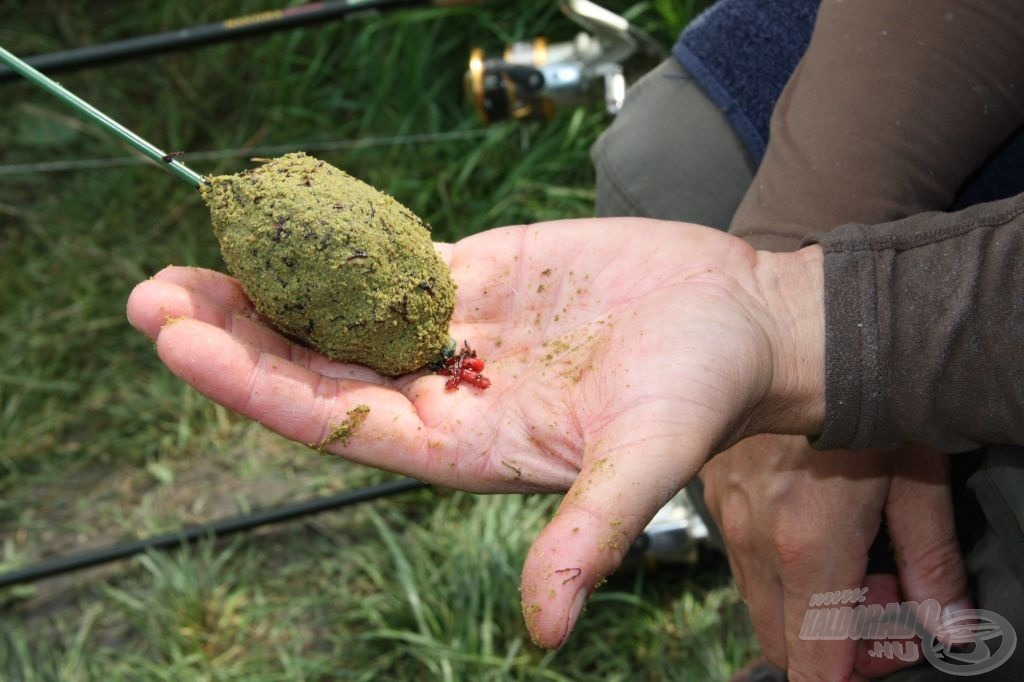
<point x="617" y="371"/>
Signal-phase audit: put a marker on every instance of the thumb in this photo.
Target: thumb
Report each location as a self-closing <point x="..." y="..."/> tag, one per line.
<point x="919" y="512"/>
<point x="612" y="500"/>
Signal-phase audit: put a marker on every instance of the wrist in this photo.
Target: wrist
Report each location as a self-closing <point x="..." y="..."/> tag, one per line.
<point x="793" y="286"/>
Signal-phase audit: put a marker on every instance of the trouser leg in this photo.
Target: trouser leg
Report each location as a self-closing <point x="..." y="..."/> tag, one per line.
<point x="671" y="154"/>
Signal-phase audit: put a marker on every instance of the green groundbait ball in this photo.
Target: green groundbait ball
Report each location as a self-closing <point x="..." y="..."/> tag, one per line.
<point x="334" y="262"/>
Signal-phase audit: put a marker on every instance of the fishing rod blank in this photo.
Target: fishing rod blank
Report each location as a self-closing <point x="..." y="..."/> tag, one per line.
<point x="96" y="116"/>
<point x="223" y="527"/>
<point x="208" y="34"/>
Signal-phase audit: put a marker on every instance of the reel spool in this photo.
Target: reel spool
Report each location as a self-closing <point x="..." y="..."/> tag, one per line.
<point x="532" y="79"/>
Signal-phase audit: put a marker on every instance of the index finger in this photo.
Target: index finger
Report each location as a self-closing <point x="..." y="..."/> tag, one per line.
<point x="364" y="422"/>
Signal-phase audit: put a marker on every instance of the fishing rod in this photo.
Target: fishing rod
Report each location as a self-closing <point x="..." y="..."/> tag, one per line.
<point x="70" y="563"/>
<point x="218" y="32"/>
<point x="530" y="81"/>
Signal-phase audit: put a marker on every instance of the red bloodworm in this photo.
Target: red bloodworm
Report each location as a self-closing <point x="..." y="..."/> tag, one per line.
<point x="473" y="364"/>
<point x="464" y="366"/>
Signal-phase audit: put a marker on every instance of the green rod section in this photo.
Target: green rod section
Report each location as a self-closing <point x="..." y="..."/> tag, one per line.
<point x="94" y="114"/>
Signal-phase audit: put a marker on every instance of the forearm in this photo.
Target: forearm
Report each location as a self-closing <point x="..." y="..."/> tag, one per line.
<point x="922" y="322"/>
<point x="892" y="107"/>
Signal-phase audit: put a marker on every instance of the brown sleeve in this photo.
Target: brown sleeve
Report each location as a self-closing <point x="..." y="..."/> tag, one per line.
<point x="924" y="330"/>
<point x="892" y="107"/>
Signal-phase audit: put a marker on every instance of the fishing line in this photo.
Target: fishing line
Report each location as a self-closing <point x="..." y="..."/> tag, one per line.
<point x="242" y="152"/>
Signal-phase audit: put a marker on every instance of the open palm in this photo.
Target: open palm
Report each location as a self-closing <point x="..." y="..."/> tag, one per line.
<point x="622" y="354"/>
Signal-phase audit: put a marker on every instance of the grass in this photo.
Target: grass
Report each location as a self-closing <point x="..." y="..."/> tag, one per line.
<point x="99" y="443"/>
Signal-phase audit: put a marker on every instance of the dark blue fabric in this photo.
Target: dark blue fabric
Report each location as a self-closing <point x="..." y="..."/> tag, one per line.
<point x="1001" y="177"/>
<point x="742" y="52"/>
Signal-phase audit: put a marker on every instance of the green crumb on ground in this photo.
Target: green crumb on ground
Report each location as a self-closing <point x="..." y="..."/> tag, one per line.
<point x="340" y="433"/>
<point x="334" y="262"/>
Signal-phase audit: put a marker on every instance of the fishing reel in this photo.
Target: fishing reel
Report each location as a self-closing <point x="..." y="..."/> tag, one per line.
<point x="532" y="79"/>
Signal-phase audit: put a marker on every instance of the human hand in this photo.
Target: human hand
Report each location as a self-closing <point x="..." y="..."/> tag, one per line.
<point x="622" y="354"/>
<point x="798" y="522"/>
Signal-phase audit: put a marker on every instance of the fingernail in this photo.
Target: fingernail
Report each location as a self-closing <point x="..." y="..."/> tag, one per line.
<point x="964" y="604"/>
<point x="949" y="611"/>
<point x="575" y="610"/>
